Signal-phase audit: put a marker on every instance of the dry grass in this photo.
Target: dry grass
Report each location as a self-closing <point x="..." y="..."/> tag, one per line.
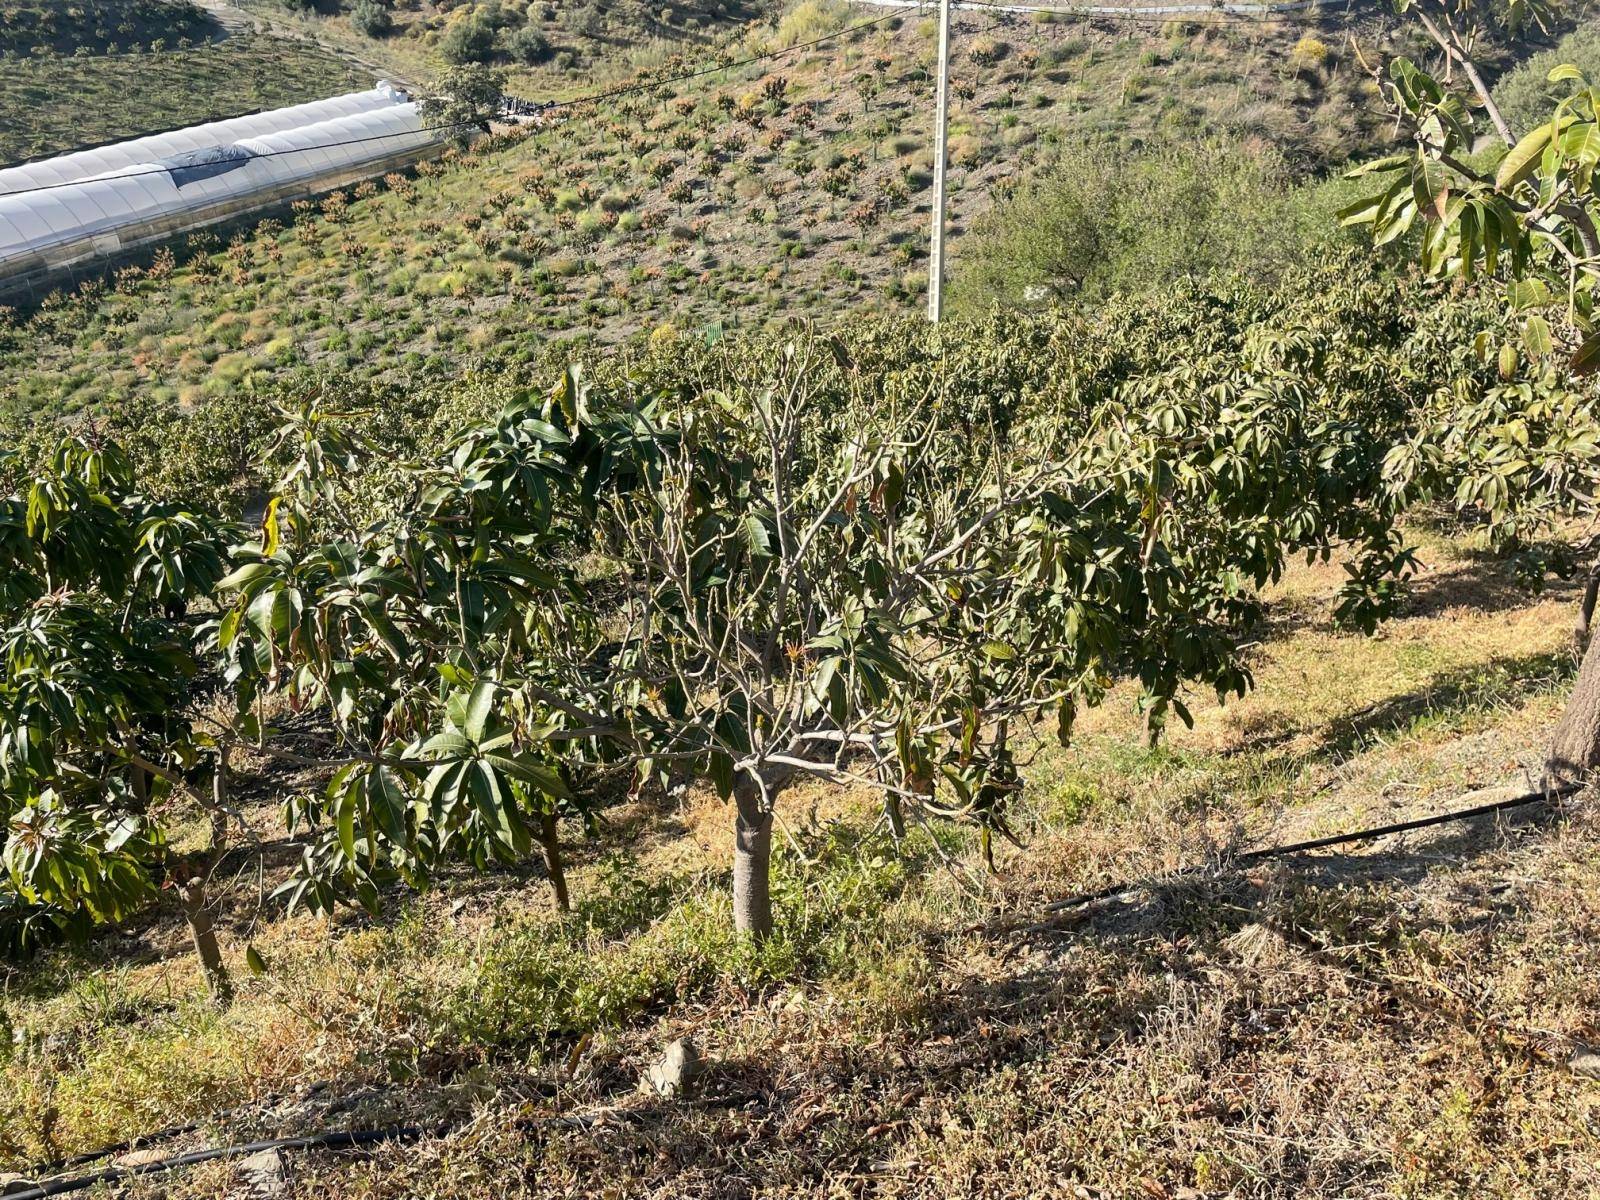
<point x="1390" y="1022"/>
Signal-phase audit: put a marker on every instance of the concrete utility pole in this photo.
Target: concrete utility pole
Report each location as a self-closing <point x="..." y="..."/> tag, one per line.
<point x="941" y="121"/>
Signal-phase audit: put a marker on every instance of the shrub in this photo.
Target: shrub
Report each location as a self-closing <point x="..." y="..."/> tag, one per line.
<point x="1100" y="221"/>
<point x="469" y="39"/>
<point x="1309" y="54"/>
<point x="372" y="17"/>
<point x="809" y="20"/>
<point x="527" y="45"/>
<point x="1526" y="95"/>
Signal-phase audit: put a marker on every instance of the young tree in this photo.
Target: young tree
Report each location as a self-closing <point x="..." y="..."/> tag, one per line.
<point x="103" y="750"/>
<point x="1519" y="448"/>
<point x="853" y="558"/>
<point x="424" y="640"/>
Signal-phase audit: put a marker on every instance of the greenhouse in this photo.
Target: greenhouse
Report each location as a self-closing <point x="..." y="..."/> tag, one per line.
<point x="63" y="211"/>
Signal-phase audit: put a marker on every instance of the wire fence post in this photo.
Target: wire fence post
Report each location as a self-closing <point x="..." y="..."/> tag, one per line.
<point x="941" y="120"/>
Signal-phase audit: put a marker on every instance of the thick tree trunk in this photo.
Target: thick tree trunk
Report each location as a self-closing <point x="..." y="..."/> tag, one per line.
<point x="752" y="862"/>
<point x="202" y="929"/>
<point x="550" y="839"/>
<point x="1575" y="748"/>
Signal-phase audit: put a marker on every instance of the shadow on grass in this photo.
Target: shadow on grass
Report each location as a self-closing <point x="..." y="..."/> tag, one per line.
<point x="1446" y="698"/>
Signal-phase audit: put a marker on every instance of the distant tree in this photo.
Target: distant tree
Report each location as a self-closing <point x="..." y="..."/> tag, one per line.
<point x="528" y="46"/>
<point x="372" y="17"/>
<point x="465" y="96"/>
<point x="470" y="38"/>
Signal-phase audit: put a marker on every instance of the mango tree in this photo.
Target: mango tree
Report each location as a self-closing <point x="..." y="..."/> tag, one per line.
<point x="836" y="560"/>
<point x="104" y="754"/>
<point x="422" y="641"/>
<point x="1514" y="441"/>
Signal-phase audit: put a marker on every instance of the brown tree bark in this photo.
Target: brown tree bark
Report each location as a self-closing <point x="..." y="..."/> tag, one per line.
<point x="550" y="840"/>
<point x="752" y="861"/>
<point x="202" y="930"/>
<point x="1151" y="734"/>
<point x="1575" y="747"/>
<point x="1591" y="592"/>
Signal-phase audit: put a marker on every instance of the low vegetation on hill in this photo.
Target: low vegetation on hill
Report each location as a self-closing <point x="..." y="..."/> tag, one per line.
<point x="787" y="188"/>
<point x="54" y="103"/>
<point x="47" y="27"/>
<point x="542" y="44"/>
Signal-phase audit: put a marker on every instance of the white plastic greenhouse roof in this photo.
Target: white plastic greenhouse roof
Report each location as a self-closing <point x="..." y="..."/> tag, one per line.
<point x="68" y="168"/>
<point x="196" y="173"/>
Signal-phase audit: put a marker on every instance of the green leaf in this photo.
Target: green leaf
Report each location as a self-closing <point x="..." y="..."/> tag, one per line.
<point x="536" y="775"/>
<point x="1536" y="336"/>
<point x="1586" y="361"/>
<point x="254" y="960"/>
<point x="1522" y="160"/>
<point x="479" y="704"/>
<point x="1564" y="72"/>
<point x="447" y="745"/>
<point x="346" y="817"/>
<point x="1392" y="162"/>
<point x="244" y="576"/>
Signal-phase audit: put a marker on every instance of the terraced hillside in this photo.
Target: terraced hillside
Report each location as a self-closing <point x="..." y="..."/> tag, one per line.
<point x="52" y="103"/>
<point x="777" y="189"/>
<point x="542" y="44"/>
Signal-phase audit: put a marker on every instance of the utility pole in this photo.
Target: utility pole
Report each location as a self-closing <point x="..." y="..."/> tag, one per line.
<point x="940" y="122"/>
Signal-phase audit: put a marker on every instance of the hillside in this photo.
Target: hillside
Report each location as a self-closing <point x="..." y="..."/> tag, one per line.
<point x="779" y="189"/>
<point x="80" y="75"/>
<point x="1385" y="1020"/>
<point x="543" y="45"/>
<point x="543" y="675"/>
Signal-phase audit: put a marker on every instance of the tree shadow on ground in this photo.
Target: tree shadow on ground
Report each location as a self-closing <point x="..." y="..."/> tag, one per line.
<point x="1156" y="1019"/>
<point x="1459" y="692"/>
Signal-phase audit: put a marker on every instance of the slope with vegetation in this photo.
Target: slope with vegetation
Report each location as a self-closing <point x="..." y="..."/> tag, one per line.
<point x="541" y="44"/>
<point x="78" y="75"/>
<point x="802" y="668"/>
<point x="783" y="188"/>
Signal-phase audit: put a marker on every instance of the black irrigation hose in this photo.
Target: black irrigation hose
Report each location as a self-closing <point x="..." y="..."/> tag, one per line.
<point x="342" y="1140"/>
<point x="134" y="1143"/>
<point x="145" y="1140"/>
<point x="410" y="1133"/>
<point x="1084" y="899"/>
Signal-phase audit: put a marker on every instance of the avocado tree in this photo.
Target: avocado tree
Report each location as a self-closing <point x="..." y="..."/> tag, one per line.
<point x="105" y="761"/>
<point x="875" y="558"/>
<point x="1514" y="442"/>
<point x="422" y="642"/>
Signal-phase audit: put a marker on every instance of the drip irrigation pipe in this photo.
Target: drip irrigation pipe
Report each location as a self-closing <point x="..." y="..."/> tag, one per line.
<point x="1083" y="899"/>
<point x="338" y="1140"/>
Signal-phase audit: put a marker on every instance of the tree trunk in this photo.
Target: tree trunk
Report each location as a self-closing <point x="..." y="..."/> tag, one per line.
<point x="202" y="928"/>
<point x="550" y="839"/>
<point x="1591" y="591"/>
<point x="752" y="862"/>
<point x="1575" y="748"/>
<point x="1153" y="724"/>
